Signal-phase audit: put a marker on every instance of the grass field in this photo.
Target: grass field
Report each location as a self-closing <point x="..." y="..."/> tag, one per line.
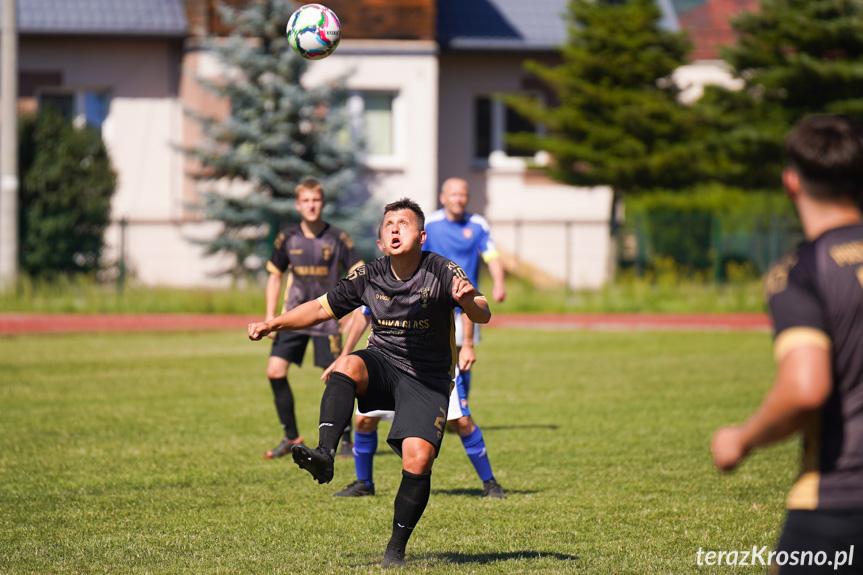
<point x="142" y="454"/>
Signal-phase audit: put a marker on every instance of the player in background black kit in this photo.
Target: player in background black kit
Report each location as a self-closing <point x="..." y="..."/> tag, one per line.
<point x="815" y="297"/>
<point x="316" y="254"/>
<point x="409" y="362"/>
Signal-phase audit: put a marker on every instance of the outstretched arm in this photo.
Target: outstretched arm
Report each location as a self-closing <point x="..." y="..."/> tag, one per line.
<point x="803" y="384"/>
<point x="301" y="317"/>
<point x="465" y="294"/>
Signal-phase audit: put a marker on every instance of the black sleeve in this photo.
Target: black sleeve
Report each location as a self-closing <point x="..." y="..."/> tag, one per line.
<point x="346" y="295"/>
<point x="279" y="260"/>
<point x="792" y="293"/>
<point x="453" y="270"/>
<point x="349" y="253"/>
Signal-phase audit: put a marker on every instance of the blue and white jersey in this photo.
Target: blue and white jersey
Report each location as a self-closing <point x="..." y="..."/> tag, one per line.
<point x="462" y="242"/>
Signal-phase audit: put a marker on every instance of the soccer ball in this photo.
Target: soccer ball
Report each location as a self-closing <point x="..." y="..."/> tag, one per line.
<point x="314" y="31"/>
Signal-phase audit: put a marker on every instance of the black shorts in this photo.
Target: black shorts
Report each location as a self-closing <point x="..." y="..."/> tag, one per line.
<point x="291" y="347"/>
<point x="821" y="541"/>
<point x="420" y="406"/>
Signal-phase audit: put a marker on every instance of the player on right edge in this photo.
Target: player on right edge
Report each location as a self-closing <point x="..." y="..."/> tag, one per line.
<point x="816" y="301"/>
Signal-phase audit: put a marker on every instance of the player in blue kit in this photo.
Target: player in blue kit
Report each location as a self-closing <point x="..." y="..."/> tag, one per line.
<point x="464" y="237"/>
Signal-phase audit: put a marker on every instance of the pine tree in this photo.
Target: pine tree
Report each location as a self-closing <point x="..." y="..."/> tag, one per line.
<point x="796" y="58"/>
<point x="278" y="133"/>
<point x="616" y="120"/>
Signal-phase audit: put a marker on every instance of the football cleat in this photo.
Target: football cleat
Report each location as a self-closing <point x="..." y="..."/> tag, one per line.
<point x="346" y="449"/>
<point x="492" y="488"/>
<point x="394" y="558"/>
<point x="283" y="448"/>
<point x="356" y="489"/>
<point x="318" y="461"/>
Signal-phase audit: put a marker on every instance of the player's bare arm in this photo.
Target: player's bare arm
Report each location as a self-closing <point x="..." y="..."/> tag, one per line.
<point x="495" y="269"/>
<point x="465" y="294"/>
<point x="271" y="296"/>
<point x="301" y="317"/>
<point x="466" y="353"/>
<point x="803" y="384"/>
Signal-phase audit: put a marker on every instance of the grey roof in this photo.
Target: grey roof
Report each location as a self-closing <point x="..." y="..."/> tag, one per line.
<point x="103" y="17"/>
<point x="512" y="24"/>
<point x="501" y="24"/>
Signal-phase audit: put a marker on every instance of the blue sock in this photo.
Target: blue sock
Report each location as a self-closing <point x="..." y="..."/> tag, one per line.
<point x="365" y="446"/>
<point x="474" y="445"/>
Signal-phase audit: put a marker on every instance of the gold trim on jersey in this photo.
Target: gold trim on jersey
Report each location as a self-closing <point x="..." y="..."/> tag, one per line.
<point x="847" y="254"/>
<point x="797" y="337"/>
<point x="271" y="267"/>
<point x="326" y="305"/>
<point x="776" y="279"/>
<point x="804" y="493"/>
<point x="355" y="266"/>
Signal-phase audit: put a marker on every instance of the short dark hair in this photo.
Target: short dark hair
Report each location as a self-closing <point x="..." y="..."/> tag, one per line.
<point x="407" y="204"/>
<point x="827" y="153"/>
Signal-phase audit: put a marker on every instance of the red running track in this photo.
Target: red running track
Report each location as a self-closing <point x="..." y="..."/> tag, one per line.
<point x="14" y="323"/>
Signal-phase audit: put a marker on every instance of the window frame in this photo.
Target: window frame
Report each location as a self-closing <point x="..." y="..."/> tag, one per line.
<point x="497" y="130"/>
<point x="356" y="109"/>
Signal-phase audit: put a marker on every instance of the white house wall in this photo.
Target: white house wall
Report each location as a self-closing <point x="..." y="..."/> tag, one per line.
<point x="553" y="233"/>
<point x="411" y="69"/>
<point x="143" y="125"/>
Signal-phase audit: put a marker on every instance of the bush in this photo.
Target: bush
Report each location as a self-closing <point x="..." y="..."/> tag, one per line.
<point x="711" y="227"/>
<point x="65" y="199"/>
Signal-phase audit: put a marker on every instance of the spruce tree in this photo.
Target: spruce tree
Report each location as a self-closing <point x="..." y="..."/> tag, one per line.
<point x="796" y="58"/>
<point x="615" y="119"/>
<point x="278" y="133"/>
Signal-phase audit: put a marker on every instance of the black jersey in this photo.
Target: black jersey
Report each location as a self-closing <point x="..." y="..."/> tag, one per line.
<point x="316" y="264"/>
<point x="816" y="298"/>
<point x="412" y="320"/>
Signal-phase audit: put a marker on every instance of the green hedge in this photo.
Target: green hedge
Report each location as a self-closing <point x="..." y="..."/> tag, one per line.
<point x="711" y="227"/>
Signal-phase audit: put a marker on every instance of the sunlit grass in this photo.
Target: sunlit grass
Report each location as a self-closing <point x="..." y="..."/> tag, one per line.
<point x="141" y="453"/>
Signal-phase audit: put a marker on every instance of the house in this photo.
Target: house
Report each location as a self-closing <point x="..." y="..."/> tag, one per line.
<point x="427" y="69"/>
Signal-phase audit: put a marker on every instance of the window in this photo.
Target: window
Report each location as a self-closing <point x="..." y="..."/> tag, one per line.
<point x="81" y="106"/>
<point x="375" y="122"/>
<point x="492" y="120"/>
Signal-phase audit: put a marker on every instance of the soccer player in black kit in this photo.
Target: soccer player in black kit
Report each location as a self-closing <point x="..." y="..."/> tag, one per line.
<point x="316" y="254"/>
<point x="408" y="364"/>
<point x="815" y="296"/>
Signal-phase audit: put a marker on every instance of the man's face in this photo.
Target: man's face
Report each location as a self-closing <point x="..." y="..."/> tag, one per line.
<point x="454" y="199"/>
<point x="310" y="204"/>
<point x="400" y="233"/>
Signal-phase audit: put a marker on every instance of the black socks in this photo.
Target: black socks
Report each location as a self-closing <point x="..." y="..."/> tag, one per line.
<point x="284" y="399"/>
<point x="337" y="407"/>
<point x="411" y="500"/>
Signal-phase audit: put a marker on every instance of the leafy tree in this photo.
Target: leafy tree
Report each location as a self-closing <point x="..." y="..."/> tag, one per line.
<point x="65" y="198"/>
<point x="616" y="119"/>
<point x="278" y="133"/>
<point x="796" y="57"/>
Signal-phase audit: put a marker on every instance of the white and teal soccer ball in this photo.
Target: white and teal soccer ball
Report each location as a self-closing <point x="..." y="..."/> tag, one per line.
<point x="314" y="31"/>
